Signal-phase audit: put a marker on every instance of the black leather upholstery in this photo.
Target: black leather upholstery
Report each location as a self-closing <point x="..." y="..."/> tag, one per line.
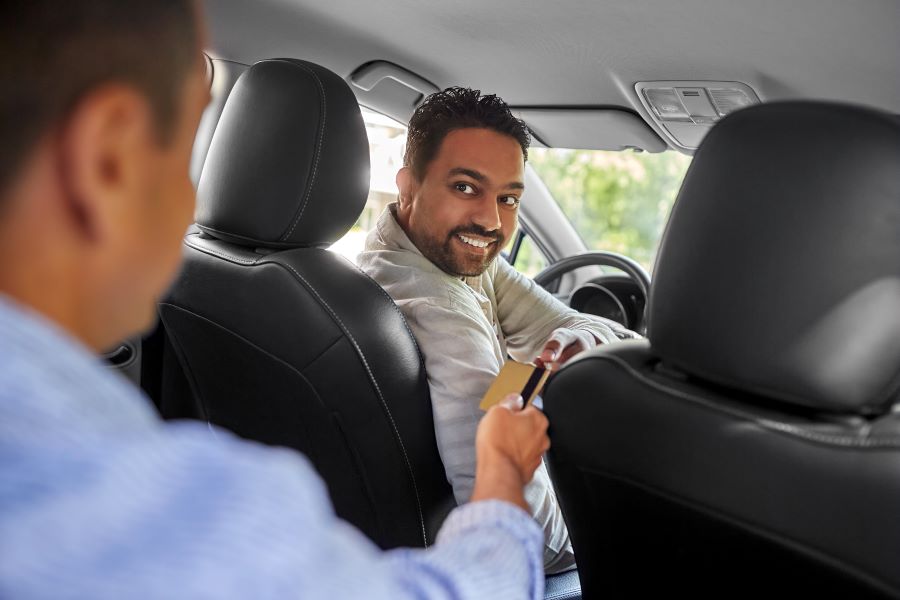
<point x="288" y="169"/>
<point x="785" y="245"/>
<point x="751" y="447"/>
<point x="285" y="342"/>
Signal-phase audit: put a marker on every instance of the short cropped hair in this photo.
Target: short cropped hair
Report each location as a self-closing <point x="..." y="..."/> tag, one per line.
<point x="452" y="109"/>
<point x="53" y="53"/>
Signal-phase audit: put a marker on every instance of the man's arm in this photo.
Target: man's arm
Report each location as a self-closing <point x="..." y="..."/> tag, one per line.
<point x="462" y="357"/>
<point x="181" y="513"/>
<point x="529" y="315"/>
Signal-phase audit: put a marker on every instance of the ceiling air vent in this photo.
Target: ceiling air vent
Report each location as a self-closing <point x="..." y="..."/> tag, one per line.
<point x="685" y="110"/>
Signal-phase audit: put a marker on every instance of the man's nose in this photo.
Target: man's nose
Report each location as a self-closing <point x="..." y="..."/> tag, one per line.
<point x="487" y="214"/>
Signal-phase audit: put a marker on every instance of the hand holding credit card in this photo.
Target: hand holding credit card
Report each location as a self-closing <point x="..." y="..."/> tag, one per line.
<point x="515" y="378"/>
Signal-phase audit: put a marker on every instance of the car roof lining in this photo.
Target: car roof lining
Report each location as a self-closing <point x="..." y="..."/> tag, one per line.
<point x="590" y="54"/>
<point x="590" y="128"/>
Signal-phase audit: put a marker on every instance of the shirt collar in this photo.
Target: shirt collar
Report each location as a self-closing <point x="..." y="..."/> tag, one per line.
<point x="394" y="237"/>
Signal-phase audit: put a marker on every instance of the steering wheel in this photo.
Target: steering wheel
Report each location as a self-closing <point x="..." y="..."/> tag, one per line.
<point x="607" y="259"/>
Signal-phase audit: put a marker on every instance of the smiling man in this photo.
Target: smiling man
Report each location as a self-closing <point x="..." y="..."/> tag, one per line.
<point x="436" y="253"/>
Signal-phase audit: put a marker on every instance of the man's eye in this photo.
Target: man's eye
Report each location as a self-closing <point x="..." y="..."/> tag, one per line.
<point x="465" y="188"/>
<point x="510" y="201"/>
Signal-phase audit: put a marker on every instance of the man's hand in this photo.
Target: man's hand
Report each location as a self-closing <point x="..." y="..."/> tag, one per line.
<point x="509" y="445"/>
<point x="563" y="345"/>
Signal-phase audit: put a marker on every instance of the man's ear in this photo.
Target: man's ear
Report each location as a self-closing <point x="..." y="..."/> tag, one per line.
<point x="407" y="185"/>
<point x="103" y="155"/>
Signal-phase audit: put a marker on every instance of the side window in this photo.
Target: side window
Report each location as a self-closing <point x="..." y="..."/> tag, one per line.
<point x="525" y="255"/>
<point x="387" y="141"/>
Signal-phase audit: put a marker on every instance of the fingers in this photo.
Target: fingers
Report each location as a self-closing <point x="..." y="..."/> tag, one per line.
<point x="563" y="345"/>
<point x="536" y="414"/>
<point x="568" y="353"/>
<point x="516" y="433"/>
<point x="539" y="442"/>
<point x="512" y="402"/>
<point x="556" y="346"/>
<point x="540" y="422"/>
<point x="545" y="439"/>
<point x="550" y="352"/>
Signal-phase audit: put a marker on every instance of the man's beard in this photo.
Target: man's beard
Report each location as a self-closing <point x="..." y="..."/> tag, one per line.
<point x="444" y="257"/>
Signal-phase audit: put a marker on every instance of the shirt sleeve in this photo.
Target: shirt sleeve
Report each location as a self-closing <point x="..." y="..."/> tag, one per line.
<point x="183" y="514"/>
<point x="529" y="314"/>
<point x="462" y="359"/>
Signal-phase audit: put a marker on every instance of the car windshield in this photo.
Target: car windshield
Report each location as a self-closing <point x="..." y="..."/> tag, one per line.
<point x="617" y="201"/>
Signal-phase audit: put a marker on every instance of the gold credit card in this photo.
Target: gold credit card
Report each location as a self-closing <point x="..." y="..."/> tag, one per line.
<point x="515" y="378"/>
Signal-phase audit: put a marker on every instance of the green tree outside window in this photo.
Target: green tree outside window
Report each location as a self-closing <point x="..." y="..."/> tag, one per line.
<point x="617" y="201"/>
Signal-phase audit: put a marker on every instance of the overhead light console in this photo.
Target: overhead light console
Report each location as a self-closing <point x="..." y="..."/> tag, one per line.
<point x="684" y="111"/>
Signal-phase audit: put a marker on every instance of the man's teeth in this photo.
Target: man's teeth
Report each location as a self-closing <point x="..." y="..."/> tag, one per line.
<point x="474" y="242"/>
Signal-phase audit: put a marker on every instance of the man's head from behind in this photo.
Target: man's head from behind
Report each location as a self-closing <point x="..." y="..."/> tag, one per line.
<point x="462" y="179"/>
<point x="100" y="104"/>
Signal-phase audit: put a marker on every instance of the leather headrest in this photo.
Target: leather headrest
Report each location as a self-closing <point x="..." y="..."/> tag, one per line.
<point x="779" y="272"/>
<point x="288" y="165"/>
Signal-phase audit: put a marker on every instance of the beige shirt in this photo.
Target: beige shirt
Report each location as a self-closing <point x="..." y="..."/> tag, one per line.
<point x="465" y="328"/>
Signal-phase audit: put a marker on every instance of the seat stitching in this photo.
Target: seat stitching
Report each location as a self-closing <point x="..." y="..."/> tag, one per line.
<point x="838" y="440"/>
<point x="359" y="352"/>
<point x="309" y="187"/>
<point x="185" y="363"/>
<point x="352" y="450"/>
<point x="258" y="348"/>
<point x="387" y="410"/>
<point x="395" y="307"/>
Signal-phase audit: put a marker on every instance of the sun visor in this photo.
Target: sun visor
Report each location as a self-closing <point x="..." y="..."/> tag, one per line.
<point x="590" y="129"/>
<point x="390" y="89"/>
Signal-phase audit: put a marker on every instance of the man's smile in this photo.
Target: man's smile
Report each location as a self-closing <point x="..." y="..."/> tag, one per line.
<point x="474" y="241"/>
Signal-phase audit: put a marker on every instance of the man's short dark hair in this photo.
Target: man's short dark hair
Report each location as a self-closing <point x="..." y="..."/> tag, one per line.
<point x="53" y="53"/>
<point x="452" y="109"/>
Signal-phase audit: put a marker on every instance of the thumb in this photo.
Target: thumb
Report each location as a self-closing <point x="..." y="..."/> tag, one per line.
<point x="550" y="352"/>
<point x="512" y="402"/>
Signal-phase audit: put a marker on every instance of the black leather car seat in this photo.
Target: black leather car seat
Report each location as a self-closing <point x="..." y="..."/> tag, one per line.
<point x="282" y="341"/>
<point x="751" y="446"/>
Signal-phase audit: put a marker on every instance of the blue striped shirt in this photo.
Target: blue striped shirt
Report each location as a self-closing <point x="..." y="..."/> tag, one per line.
<point x="100" y="499"/>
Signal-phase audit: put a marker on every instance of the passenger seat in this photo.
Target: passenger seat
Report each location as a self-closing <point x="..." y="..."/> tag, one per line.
<point x="284" y="342"/>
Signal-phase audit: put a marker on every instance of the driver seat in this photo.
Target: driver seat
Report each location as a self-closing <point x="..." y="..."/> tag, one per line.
<point x="281" y="340"/>
<point x="751" y="446"/>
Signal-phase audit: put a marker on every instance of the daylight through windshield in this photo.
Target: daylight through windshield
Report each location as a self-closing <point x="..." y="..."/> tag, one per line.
<point x="617" y="201"/>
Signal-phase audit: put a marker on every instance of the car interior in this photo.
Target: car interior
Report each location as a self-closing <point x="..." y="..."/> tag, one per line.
<point x="749" y="445"/>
